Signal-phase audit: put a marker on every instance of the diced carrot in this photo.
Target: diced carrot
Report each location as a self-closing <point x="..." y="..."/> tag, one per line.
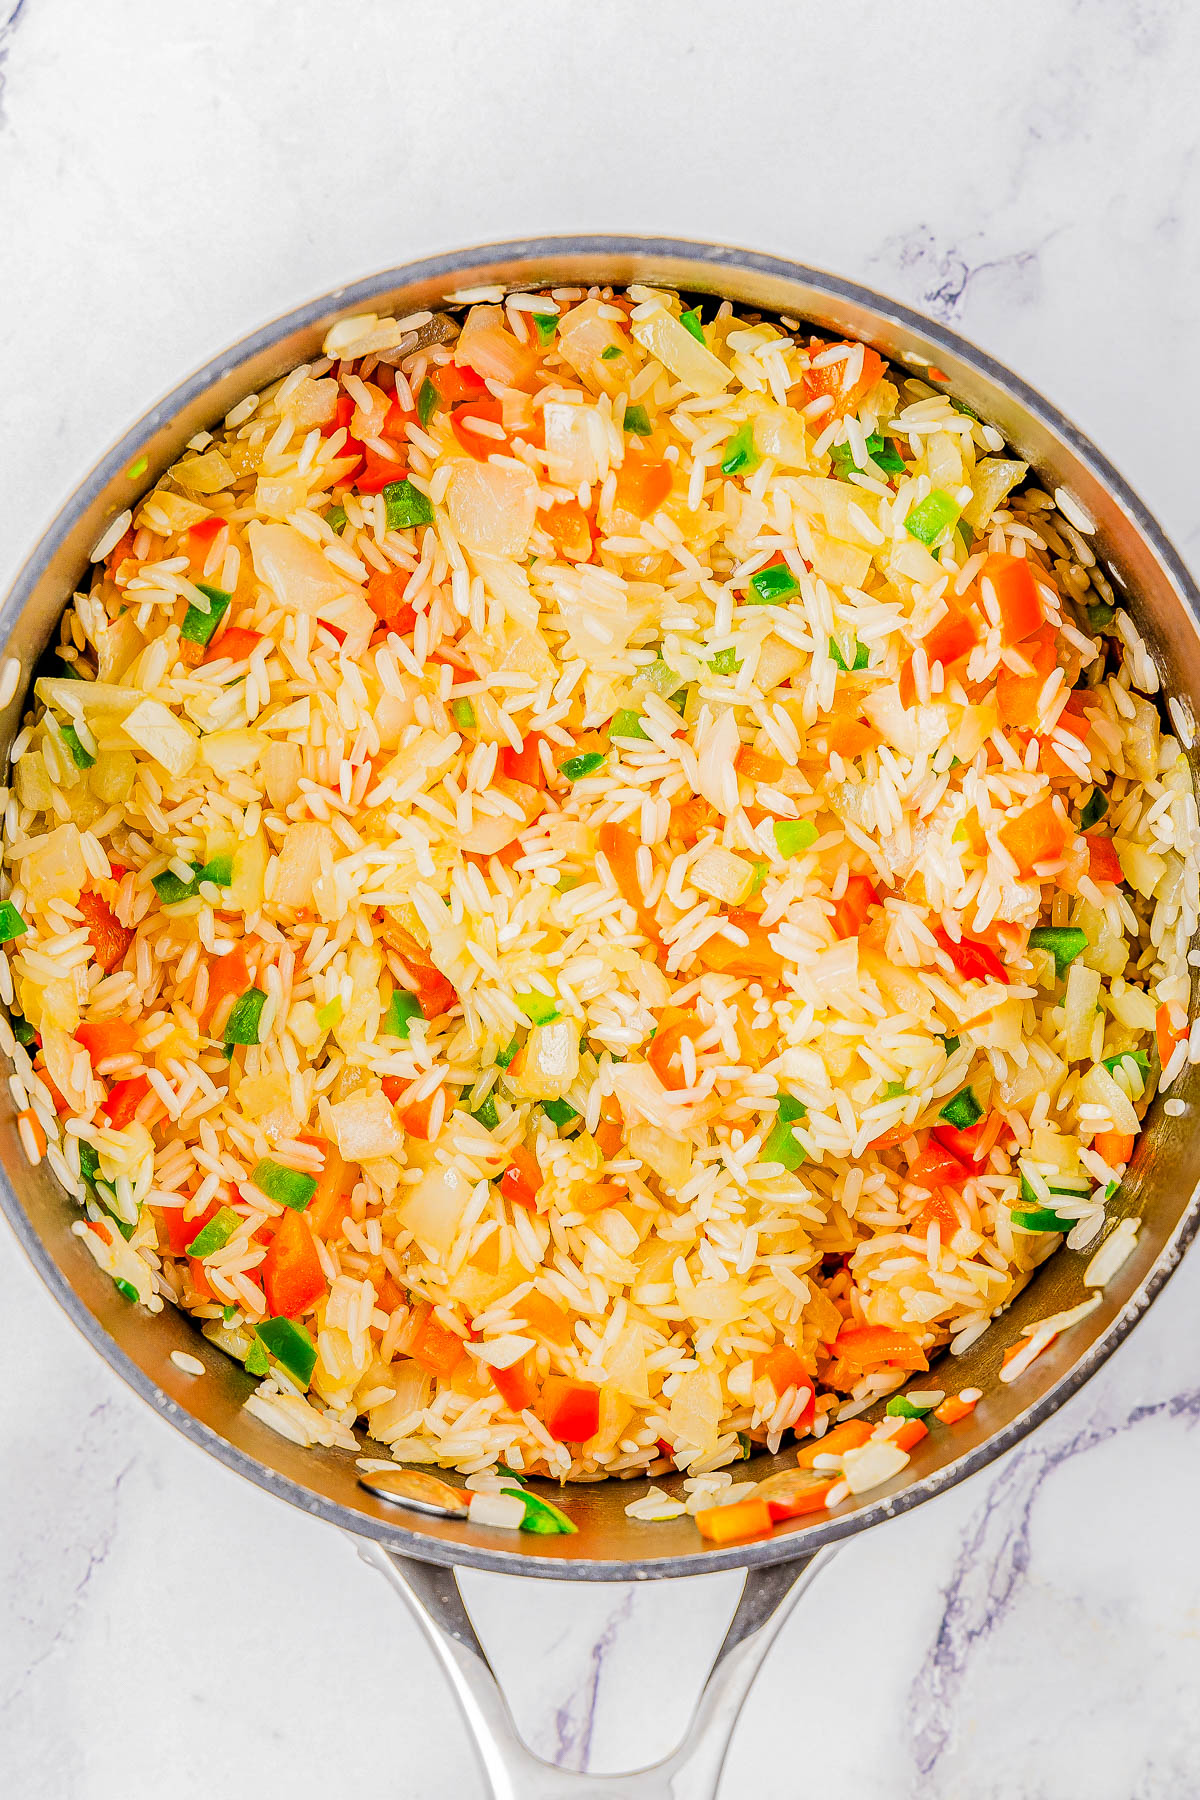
<point x="439" y="1348"/>
<point x="292" y="1276"/>
<point x="327" y="1207"/>
<point x="864" y="1346"/>
<point x="840" y="1438"/>
<point x="1020" y="604"/>
<point x="784" y="1369"/>
<point x="1037" y="835"/>
<point x="1103" y="861"/>
<point x="619" y="847"/>
<point x="521" y="1182"/>
<point x="1017" y="695"/>
<point x="850" y="912"/>
<point x="642" y="486"/>
<point x="545" y="1316"/>
<point x="228" y="976"/>
<point x="571" y="1408"/>
<point x="569" y="530"/>
<point x="1167" y="1034"/>
<point x="479" y="444"/>
<point x="663" y="1051"/>
<point x="109" y="938"/>
<point x="953" y="1409"/>
<point x="1116" y="1147"/>
<point x="385" y="597"/>
<point x="102" y="1038"/>
<point x="730" y="1524"/>
<point x="835" y="379"/>
<point x="516" y="1385"/>
<point x="123" y="1100"/>
<point x="236" y="642"/>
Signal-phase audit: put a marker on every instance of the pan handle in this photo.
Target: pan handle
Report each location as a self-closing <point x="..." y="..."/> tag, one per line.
<point x="512" y="1771"/>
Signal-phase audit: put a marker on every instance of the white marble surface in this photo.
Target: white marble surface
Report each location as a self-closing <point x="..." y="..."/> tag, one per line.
<point x="170" y="176"/>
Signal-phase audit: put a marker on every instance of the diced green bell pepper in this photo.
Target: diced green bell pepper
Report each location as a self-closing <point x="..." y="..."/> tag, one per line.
<point x="793" y="836"/>
<point x="538" y="1006"/>
<point x="290" y="1187"/>
<point x="741" y="457"/>
<point x="962" y="1110"/>
<point x="198" y="626"/>
<point x="577" y="767"/>
<point x="12" y="925"/>
<point x="291" y="1346"/>
<point x="559" y="1112"/>
<point x="773" y="585"/>
<point x="242" y="1025"/>
<point x="216" y="1234"/>
<point x="403" y="1008"/>
<point x="406" y="506"/>
<point x="637" y="421"/>
<point x="1064" y="942"/>
<point x="931" y="520"/>
<point x="862" y="656"/>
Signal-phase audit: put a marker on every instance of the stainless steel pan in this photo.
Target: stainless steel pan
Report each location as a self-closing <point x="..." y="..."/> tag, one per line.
<point x="419" y="1553"/>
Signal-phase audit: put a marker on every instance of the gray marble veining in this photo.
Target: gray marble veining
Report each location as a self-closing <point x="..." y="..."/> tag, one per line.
<point x="167" y="180"/>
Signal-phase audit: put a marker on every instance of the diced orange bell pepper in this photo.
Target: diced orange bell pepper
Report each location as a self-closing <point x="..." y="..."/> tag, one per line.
<point x="910" y="1433"/>
<point x="571" y="1408"/>
<point x="834" y="379"/>
<point x="809" y="1498"/>
<point x="123" y="1100"/>
<point x="1116" y="1147"/>
<point x="849" y="737"/>
<point x="693" y="816"/>
<point x="569" y="530"/>
<point x="784" y="1369"/>
<point x="102" y="1038"/>
<point x="419" y="1116"/>
<point x="1017" y="695"/>
<point x="619" y="847"/>
<point x="379" y="472"/>
<point x="237" y="642"/>
<point x="938" y="1210"/>
<point x="663" y="1051"/>
<point x="440" y="1349"/>
<point x="953" y="636"/>
<point x="109" y="938"/>
<point x="1167" y="1034"/>
<point x="327" y="1208"/>
<point x="1017" y="597"/>
<point x="863" y="1346"/>
<point x="455" y="382"/>
<point x="609" y="1136"/>
<point x="228" y="976"/>
<point x="735" y="1523"/>
<point x="516" y="1385"/>
<point x="953" y="1409"/>
<point x="642" y="486"/>
<point x="521" y="1182"/>
<point x="1037" y="835"/>
<point x="292" y="1276"/>
<point x="757" y="960"/>
<point x="840" y="1438"/>
<point x="850" y="912"/>
<point x="385" y="597"/>
<point x="197" y="540"/>
<point x="545" y="1317"/>
<point x="479" y="444"/>
<point x="1103" y="861"/>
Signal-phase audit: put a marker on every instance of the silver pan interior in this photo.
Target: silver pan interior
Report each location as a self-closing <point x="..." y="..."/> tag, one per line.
<point x="1162" y="1186"/>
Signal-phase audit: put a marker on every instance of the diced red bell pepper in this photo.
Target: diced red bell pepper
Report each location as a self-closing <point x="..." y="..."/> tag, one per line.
<point x="180" y="1231"/>
<point x="516" y="1385"/>
<point x="938" y="1210"/>
<point x="439" y="1348"/>
<point x="973" y="960"/>
<point x="1103" y="862"/>
<point x="228" y="976"/>
<point x="479" y="444"/>
<point x="833" y="378"/>
<point x="236" y="642"/>
<point x="456" y="382"/>
<point x="524" y="764"/>
<point x="1020" y="604"/>
<point x="385" y="597"/>
<point x="418" y="1116"/>
<point x="619" y="847"/>
<point x="102" y="1038"/>
<point x="396" y="422"/>
<point x="850" y="912"/>
<point x="961" y="1144"/>
<point x="951" y="637"/>
<point x="123" y="1100"/>
<point x="379" y="472"/>
<point x="521" y="1182"/>
<point x="346" y="409"/>
<point x="1017" y="695"/>
<point x="197" y="540"/>
<point x="571" y="1408"/>
<point x="935" y="1166"/>
<point x="292" y="1276"/>
<point x="109" y="938"/>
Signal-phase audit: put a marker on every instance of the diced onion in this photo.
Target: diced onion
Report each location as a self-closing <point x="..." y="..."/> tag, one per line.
<point x="691" y="362"/>
<point x="157" y="731"/>
<point x="433" y="1209"/>
<point x="489" y="347"/>
<point x="504" y="1512"/>
<point x="294" y="569"/>
<point x="365" y="1126"/>
<point x="1082" y="995"/>
<point x="492" y="506"/>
